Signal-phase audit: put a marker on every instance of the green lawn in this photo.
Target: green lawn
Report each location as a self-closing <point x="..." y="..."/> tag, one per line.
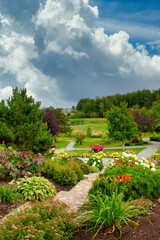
<point x="61" y="144"/>
<point x="87" y="120"/>
<point x="108" y="151"/>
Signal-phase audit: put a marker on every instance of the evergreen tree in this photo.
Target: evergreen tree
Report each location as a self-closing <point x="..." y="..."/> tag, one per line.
<point x="23" y="116"/>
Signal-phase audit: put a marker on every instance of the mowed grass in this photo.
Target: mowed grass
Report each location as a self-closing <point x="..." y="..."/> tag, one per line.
<point x="87" y="120"/>
<point x="61" y="144"/>
<point x="96" y="129"/>
<point x="91" y="142"/>
<point x="109" y="151"/>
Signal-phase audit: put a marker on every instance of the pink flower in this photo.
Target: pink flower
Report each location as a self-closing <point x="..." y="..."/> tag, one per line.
<point x="3" y="142"/>
<point x="13" y="226"/>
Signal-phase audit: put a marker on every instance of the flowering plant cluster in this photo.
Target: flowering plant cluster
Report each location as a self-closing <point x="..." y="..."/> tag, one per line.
<point x="156" y="156"/>
<point x="19" y="164"/>
<point x="132" y="160"/>
<point x="97" y="148"/>
<point x="96" y="161"/>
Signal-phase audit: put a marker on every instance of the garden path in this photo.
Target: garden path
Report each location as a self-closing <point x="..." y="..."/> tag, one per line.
<point x="78" y="194"/>
<point x="147" y="152"/>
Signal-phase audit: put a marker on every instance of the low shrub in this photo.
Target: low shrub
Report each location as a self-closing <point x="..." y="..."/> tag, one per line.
<point x="95" y="169"/>
<point x="19" y="164"/>
<point x="77" y="169"/>
<point x="134" y="181"/>
<point x="35" y="188"/>
<point x="135" y="140"/>
<point x="41" y="220"/>
<point x="86" y="168"/>
<point x="64" y="175"/>
<point x="155" y="138"/>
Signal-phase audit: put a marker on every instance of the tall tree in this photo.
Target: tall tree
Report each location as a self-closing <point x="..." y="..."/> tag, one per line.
<point x="145" y="123"/>
<point x="51" y="120"/>
<point x="22" y="115"/>
<point x="62" y="120"/>
<point x="121" y="126"/>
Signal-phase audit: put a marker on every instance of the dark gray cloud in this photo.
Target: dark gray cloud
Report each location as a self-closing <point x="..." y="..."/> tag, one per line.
<point x="55" y="49"/>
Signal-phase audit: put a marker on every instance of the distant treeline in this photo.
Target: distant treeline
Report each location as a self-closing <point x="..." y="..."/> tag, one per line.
<point x="95" y="108"/>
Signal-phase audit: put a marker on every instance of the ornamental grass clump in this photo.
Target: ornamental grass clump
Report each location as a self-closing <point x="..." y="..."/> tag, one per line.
<point x="35" y="188"/>
<point x="108" y="211"/>
<point x="7" y="194"/>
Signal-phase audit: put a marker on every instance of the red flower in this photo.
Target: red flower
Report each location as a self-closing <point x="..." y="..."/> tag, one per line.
<point x="3" y="142"/>
<point x="128" y="178"/>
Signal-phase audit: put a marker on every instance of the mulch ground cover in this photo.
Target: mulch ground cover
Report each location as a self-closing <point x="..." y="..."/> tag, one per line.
<point x="144" y="231"/>
<point x="5" y="208"/>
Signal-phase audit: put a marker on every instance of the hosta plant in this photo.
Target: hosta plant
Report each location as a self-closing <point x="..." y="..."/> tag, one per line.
<point x="38" y="188"/>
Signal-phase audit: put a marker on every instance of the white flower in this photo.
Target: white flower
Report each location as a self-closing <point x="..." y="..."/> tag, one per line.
<point x="136" y="163"/>
<point x="153" y="169"/>
<point x="152" y="165"/>
<point x="147" y="166"/>
<point x="94" y="164"/>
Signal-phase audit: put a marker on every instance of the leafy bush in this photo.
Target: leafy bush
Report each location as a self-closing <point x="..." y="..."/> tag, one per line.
<point x="64" y="175"/>
<point x="35" y="188"/>
<point x="19" y="164"/>
<point x="155" y="138"/>
<point x="85" y="168"/>
<point x="41" y="220"/>
<point x="108" y="211"/>
<point x="134" y="181"/>
<point x="77" y="169"/>
<point x="135" y="140"/>
<point x="7" y="194"/>
<point x="95" y="169"/>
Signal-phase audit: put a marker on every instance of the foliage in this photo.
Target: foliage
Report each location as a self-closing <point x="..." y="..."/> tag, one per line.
<point x="155" y="156"/>
<point x="155" y="137"/>
<point x="6" y="134"/>
<point x="121" y="125"/>
<point x="19" y="164"/>
<point x="50" y="118"/>
<point x="79" y="138"/>
<point x="7" y="194"/>
<point x="108" y="211"/>
<point x="96" y="162"/>
<point x="86" y="107"/>
<point x="155" y="109"/>
<point x="145" y="123"/>
<point x="62" y="120"/>
<point x="23" y="117"/>
<point x="38" y="188"/>
<point x="140" y="181"/>
<point x="41" y="220"/>
<point x="86" y="168"/>
<point x="64" y="175"/>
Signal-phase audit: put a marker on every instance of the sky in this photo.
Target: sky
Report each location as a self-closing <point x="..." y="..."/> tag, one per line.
<point x="65" y="50"/>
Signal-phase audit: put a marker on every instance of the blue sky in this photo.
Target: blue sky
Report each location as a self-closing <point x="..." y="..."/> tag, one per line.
<point x="64" y="50"/>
